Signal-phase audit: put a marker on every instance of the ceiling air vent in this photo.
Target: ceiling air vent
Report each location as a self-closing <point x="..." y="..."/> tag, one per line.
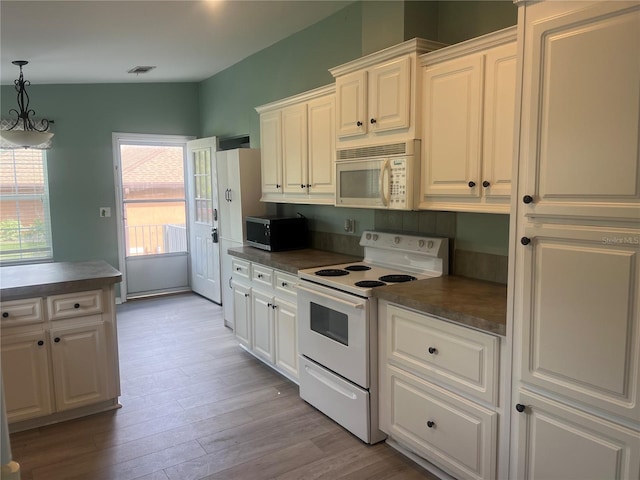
<point x="140" y="69"/>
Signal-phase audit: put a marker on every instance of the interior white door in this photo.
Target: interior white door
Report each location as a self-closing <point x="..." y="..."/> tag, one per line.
<point x="204" y="251"/>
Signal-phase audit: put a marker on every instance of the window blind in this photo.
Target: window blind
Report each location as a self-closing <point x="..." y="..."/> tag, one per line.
<point x="25" y="225"/>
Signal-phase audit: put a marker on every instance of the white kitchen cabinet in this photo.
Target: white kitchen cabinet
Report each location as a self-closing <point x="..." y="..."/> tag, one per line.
<point x="439" y="390"/>
<point x="25" y="360"/>
<point x="469" y="115"/>
<point x="298" y="148"/>
<point x="79" y="363"/>
<point x="238" y="197"/>
<point x="576" y="243"/>
<point x="266" y="315"/>
<point x="376" y="94"/>
<point x="59" y="356"/>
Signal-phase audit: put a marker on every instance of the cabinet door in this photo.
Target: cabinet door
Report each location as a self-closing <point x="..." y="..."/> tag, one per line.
<point x="285" y="319"/>
<point x="262" y="319"/>
<point x="558" y="442"/>
<point x="390" y="96"/>
<point x="25" y="372"/>
<point x="499" y="120"/>
<point x="79" y="359"/>
<point x="351" y="104"/>
<point x="452" y="128"/>
<point x="271" y="152"/>
<point x="294" y="149"/>
<point x="242" y="313"/>
<point x="581" y="110"/>
<point x="322" y="151"/>
<point x="580" y="308"/>
<point x="226" y="272"/>
<point x="224" y="208"/>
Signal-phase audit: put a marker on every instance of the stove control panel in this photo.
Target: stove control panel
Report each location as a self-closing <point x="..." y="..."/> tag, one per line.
<point x="408" y="243"/>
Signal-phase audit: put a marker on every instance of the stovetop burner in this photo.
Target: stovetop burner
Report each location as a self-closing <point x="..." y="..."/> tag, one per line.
<point x="332" y="272"/>
<point x="369" y="283"/>
<point x="358" y="268"/>
<point x="396" y="278"/>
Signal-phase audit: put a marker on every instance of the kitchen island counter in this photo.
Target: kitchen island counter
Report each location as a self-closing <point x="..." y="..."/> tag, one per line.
<point x="43" y="279"/>
<point x="472" y="303"/>
<point x="292" y="260"/>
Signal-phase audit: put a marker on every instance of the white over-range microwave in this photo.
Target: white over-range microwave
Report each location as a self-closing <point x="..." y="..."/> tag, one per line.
<point x="380" y="176"/>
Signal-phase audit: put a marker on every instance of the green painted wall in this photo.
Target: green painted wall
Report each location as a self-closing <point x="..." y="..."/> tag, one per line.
<point x="294" y="65"/>
<point x="80" y="164"/>
<point x="462" y="20"/>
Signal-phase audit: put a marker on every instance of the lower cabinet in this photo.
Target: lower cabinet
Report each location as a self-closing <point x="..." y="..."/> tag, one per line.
<point x="438" y="386"/>
<point x="60" y="360"/>
<point x="265" y="315"/>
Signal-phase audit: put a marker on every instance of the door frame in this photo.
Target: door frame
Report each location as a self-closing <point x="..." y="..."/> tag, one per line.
<point x="117" y="139"/>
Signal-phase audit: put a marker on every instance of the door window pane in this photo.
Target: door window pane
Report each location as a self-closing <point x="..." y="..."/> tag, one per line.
<point x="154" y="199"/>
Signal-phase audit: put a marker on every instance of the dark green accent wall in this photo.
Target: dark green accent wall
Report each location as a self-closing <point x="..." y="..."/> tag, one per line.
<point x="80" y="164"/>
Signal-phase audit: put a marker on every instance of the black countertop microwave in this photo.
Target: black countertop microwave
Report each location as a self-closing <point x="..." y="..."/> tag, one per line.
<point x="276" y="234"/>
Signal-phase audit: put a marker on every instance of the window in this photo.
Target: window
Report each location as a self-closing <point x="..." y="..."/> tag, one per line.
<point x="25" y="225"/>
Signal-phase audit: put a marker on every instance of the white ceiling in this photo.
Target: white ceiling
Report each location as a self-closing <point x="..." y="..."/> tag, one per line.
<point x="95" y="41"/>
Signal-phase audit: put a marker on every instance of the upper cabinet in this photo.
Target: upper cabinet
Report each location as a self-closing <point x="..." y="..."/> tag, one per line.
<point x="376" y="95"/>
<point x="468" y="113"/>
<point x="297" y="137"/>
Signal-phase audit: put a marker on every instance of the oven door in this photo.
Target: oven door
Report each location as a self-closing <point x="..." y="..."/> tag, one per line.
<point x="334" y="331"/>
<point x="363" y="183"/>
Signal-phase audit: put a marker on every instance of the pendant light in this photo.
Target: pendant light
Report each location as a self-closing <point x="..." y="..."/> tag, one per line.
<point x="25" y="131"/>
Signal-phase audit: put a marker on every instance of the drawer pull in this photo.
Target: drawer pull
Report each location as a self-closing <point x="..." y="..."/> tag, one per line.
<point x="433" y="350"/>
<point x="520" y="407"/>
<point x="259" y="275"/>
<point x="57" y="339"/>
<point x="40" y="343"/>
<point x="238" y="269"/>
<point x="270" y="305"/>
<point x="5" y="314"/>
<point x="284" y="284"/>
<point x="76" y="305"/>
<point x="431" y="424"/>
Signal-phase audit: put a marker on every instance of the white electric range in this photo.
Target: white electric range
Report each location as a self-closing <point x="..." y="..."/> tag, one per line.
<point x="337" y="324"/>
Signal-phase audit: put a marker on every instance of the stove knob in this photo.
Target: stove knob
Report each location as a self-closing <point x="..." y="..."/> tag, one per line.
<point x="396" y="240"/>
<point x="375" y="237"/>
<point x="421" y="243"/>
<point x="368" y="236"/>
<point x="430" y="244"/>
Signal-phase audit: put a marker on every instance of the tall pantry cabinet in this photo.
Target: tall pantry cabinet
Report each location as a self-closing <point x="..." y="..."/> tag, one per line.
<point x="576" y="243"/>
<point x="238" y="197"/>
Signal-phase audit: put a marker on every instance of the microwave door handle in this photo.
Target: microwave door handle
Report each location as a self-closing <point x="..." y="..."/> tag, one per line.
<point x="384" y="172"/>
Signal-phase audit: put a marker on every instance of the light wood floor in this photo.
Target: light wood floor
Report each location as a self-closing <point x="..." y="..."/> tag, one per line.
<point x="195" y="406"/>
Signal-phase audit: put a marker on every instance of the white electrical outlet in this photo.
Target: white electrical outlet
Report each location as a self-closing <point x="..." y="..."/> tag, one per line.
<point x="105" y="211"/>
<point x="350" y="225"/>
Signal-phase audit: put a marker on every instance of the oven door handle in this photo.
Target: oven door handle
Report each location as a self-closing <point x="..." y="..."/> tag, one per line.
<point x="385" y="171"/>
<point x="332" y="385"/>
<point x="329" y="297"/>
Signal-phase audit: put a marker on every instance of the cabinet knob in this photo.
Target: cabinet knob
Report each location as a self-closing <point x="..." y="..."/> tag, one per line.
<point x="40" y="343"/>
<point x="238" y="269"/>
<point x="373" y="120"/>
<point x="359" y="123"/>
<point x="431" y="424"/>
<point x="525" y="240"/>
<point x="5" y="314"/>
<point x="259" y="275"/>
<point x="284" y="284"/>
<point x="527" y="199"/>
<point x="270" y="305"/>
<point x="308" y="185"/>
<point x="486" y="184"/>
<point x="520" y="407"/>
<point x="76" y="305"/>
<point x="433" y="350"/>
<point x="274" y="306"/>
<point x="472" y="184"/>
<point x="246" y="295"/>
<point x="57" y="339"/>
<point x="278" y="185"/>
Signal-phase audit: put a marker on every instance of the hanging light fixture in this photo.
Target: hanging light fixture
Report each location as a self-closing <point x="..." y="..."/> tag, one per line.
<point x="25" y="131"/>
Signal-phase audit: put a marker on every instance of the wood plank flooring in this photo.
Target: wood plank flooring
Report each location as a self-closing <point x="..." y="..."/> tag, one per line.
<point x="195" y="406"/>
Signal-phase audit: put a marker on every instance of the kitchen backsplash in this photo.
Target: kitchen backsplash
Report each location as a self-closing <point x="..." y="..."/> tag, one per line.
<point x="478" y="265"/>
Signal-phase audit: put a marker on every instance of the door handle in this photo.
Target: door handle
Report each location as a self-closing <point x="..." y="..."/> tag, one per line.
<point x="230" y="197"/>
<point x="215" y="214"/>
<point x="214" y="235"/>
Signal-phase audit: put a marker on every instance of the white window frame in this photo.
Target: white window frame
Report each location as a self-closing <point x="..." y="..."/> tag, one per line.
<point x="44" y="197"/>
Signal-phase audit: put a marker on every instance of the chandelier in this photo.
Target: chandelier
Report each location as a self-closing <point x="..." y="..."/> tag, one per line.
<point x="25" y="131"/>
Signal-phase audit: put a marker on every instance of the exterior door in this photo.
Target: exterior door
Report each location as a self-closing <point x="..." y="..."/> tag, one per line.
<point x="204" y="244"/>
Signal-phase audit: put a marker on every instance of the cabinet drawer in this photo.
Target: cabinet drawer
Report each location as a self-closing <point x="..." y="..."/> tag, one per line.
<point x="72" y="305"/>
<point x="450" y="431"/>
<point x="240" y="268"/>
<point x="21" y="312"/>
<point x="261" y="275"/>
<point x="285" y="283"/>
<point x="456" y="356"/>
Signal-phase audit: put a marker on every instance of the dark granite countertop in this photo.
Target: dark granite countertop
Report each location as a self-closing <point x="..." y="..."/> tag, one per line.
<point x="42" y="279"/>
<point x="293" y="260"/>
<point x="468" y="302"/>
